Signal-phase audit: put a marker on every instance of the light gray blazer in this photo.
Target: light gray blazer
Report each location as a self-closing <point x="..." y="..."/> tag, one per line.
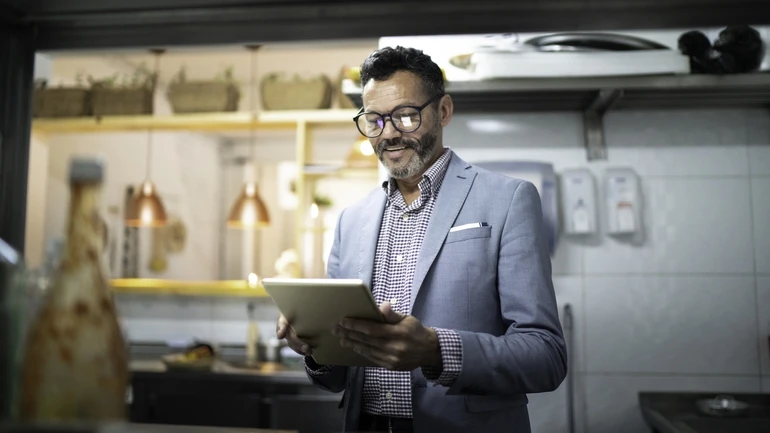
<point x="492" y="284"/>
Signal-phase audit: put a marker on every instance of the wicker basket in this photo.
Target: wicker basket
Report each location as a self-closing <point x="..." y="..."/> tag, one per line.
<point x="343" y="100"/>
<point x="61" y="102"/>
<point x="281" y="93"/>
<point x="203" y="97"/>
<point x="121" y="101"/>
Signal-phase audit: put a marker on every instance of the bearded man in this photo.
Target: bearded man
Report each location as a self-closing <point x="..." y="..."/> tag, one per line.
<point x="457" y="260"/>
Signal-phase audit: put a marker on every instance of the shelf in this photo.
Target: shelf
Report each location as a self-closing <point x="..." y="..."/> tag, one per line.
<point x="150" y="286"/>
<point x="212" y="122"/>
<point x="319" y="172"/>
<point x="594" y="96"/>
<point x="578" y="93"/>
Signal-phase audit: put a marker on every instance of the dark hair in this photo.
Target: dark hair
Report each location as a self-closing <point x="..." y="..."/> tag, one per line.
<point x="381" y="64"/>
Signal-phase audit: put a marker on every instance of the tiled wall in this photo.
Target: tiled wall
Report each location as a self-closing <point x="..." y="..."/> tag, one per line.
<point x="689" y="309"/>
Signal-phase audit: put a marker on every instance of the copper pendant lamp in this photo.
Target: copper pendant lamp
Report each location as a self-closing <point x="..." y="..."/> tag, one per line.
<point x="146" y="208"/>
<point x="249" y="211"/>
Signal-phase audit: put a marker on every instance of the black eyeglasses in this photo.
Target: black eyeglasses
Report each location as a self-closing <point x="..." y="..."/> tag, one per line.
<point x="405" y="119"/>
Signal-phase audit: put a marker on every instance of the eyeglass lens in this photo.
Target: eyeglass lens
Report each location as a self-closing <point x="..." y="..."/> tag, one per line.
<point x="406" y="119"/>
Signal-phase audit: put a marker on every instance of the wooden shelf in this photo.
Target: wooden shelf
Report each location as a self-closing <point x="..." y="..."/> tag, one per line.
<point x="318" y="172"/>
<point x="150" y="286"/>
<point x="211" y="122"/>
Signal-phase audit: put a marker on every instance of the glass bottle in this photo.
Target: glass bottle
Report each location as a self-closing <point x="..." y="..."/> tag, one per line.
<point x="12" y="312"/>
<point x="75" y="364"/>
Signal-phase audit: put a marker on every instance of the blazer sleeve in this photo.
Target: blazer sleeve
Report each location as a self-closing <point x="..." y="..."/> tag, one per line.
<point x="327" y="377"/>
<point x="531" y="356"/>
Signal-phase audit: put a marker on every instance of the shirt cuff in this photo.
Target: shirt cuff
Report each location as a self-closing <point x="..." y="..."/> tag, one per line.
<point x="315" y="369"/>
<point x="451" y="346"/>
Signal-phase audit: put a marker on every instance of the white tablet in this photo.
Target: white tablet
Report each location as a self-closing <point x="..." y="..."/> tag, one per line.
<point x="313" y="306"/>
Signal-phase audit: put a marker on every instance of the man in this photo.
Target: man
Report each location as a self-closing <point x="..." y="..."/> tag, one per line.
<point x="456" y="257"/>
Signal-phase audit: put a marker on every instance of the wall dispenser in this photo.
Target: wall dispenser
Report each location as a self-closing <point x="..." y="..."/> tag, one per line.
<point x="623" y="201"/>
<point x="542" y="175"/>
<point x="578" y="195"/>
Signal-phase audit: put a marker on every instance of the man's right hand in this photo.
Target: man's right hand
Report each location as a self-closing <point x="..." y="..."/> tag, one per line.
<point x="284" y="330"/>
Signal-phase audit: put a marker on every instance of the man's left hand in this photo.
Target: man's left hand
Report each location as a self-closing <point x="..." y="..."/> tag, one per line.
<point x="401" y="343"/>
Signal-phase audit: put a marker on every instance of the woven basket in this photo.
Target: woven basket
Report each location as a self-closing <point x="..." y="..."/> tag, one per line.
<point x="61" y="102"/>
<point x="281" y="93"/>
<point x="203" y="97"/>
<point x="121" y="101"/>
<point x="343" y="100"/>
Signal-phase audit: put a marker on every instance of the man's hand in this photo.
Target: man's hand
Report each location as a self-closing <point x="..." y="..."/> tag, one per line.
<point x="284" y="330"/>
<point x="402" y="343"/>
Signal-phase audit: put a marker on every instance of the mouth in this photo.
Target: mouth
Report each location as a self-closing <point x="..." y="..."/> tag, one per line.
<point x="395" y="149"/>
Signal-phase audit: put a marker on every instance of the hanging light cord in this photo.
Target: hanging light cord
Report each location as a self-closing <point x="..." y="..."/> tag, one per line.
<point x="155" y="79"/>
<point x="253" y="99"/>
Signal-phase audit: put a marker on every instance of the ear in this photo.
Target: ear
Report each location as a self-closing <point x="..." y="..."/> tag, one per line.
<point x="445" y="110"/>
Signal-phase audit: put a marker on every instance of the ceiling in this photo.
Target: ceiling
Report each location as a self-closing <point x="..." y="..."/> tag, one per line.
<point x="97" y="24"/>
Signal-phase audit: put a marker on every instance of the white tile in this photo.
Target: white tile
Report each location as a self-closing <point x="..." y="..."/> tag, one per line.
<point x="758" y="122"/>
<point x="763" y="306"/>
<point x="759" y="159"/>
<point x="171" y="307"/>
<point x="163" y="330"/>
<point x="613" y="401"/>
<point x="690" y="325"/>
<point x="568" y="258"/>
<point x="690" y="226"/>
<point x="675" y="128"/>
<point x="678" y="142"/>
<point x="548" y="411"/>
<point x="519" y="130"/>
<point x="569" y="291"/>
<point x="760" y="203"/>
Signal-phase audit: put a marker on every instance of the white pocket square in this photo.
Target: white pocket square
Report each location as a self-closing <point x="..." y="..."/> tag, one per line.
<point x="467" y="226"/>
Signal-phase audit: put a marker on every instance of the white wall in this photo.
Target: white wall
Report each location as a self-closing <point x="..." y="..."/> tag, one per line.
<point x="689" y="309"/>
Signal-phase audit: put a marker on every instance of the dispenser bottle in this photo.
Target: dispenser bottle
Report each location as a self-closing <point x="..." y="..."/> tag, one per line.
<point x="75" y="364"/>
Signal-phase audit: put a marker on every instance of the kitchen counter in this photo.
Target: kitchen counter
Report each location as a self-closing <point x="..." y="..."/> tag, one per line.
<point x="677" y="412"/>
<point x="135" y="428"/>
<point x="130" y="428"/>
<point x="224" y="370"/>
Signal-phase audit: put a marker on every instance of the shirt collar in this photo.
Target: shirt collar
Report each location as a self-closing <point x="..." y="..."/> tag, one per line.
<point x="432" y="177"/>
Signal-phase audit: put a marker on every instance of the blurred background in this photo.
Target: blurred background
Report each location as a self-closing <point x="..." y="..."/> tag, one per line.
<point x="650" y="150"/>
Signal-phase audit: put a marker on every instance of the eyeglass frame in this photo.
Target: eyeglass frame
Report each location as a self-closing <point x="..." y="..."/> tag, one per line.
<point x="387" y="116"/>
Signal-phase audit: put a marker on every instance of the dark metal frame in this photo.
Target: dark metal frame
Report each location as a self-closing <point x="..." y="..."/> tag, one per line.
<point x="17" y="57"/>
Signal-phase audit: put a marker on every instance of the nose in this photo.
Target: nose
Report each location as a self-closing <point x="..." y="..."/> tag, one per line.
<point x="389" y="131"/>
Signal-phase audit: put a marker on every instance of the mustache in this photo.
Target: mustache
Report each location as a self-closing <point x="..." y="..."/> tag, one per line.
<point x="394" y="142"/>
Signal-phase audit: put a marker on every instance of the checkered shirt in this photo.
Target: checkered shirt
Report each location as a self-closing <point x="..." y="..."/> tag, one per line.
<point x="389" y="393"/>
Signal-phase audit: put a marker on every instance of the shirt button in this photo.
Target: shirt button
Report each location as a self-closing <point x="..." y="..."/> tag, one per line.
<point x="399" y="258"/>
<point x="405" y="217"/>
<point x="393" y="301"/>
<point x="388" y="395"/>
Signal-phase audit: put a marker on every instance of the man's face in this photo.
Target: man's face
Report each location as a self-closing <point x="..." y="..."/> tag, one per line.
<point x="404" y="155"/>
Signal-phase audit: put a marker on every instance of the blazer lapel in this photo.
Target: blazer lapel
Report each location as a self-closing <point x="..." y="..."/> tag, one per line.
<point x="367" y="240"/>
<point x="454" y="190"/>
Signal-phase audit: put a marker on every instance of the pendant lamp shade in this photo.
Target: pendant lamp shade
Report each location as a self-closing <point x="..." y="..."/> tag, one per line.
<point x="145" y="208"/>
<point x="248" y="211"/>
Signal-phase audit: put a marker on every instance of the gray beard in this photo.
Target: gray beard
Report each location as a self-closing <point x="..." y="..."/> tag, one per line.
<point x="417" y="163"/>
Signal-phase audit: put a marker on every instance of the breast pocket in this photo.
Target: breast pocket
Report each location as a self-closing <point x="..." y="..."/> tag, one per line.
<point x="469" y="233"/>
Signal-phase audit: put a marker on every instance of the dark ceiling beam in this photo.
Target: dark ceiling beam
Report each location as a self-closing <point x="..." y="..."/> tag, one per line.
<point x="235" y="22"/>
<point x="11" y="11"/>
